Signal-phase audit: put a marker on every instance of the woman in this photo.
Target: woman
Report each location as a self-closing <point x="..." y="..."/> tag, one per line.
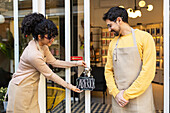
<point x="23" y="88"/>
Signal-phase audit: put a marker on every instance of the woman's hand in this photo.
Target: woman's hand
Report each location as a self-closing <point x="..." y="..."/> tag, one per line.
<point x="81" y="63"/>
<point x="75" y="89"/>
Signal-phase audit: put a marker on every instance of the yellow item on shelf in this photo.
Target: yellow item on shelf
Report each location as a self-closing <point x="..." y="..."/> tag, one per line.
<point x="54" y="96"/>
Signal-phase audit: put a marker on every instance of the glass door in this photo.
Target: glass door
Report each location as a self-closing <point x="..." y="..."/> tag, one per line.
<point x="68" y="16"/>
<point x="55" y="11"/>
<point x="77" y="49"/>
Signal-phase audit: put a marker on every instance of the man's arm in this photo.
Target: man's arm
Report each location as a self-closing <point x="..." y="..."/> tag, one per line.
<point x="147" y="73"/>
<point x="109" y="76"/>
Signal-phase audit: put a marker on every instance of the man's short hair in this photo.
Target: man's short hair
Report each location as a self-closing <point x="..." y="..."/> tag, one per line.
<point x="116" y="12"/>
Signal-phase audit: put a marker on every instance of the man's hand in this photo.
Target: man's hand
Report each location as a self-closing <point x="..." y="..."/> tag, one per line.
<point x="120" y="100"/>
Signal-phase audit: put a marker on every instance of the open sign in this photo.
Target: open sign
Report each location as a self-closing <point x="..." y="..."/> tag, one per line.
<point x="85" y="83"/>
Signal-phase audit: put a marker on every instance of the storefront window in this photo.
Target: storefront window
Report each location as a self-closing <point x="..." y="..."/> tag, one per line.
<point x="7" y="39"/>
<point x="25" y="7"/>
<point x="6" y="45"/>
<point x="77" y="49"/>
<point x="55" y="11"/>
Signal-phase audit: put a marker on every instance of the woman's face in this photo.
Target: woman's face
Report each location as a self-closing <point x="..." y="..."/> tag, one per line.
<point x="45" y="40"/>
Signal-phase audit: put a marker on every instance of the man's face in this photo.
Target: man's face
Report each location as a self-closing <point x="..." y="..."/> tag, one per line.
<point x="113" y="27"/>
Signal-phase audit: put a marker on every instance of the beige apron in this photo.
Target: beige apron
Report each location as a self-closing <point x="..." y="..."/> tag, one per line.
<point x="127" y="65"/>
<point x="23" y="98"/>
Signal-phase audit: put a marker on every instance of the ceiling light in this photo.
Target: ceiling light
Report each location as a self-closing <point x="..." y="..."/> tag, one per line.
<point x="142" y="3"/>
<point x="2" y="19"/>
<point x="150" y="7"/>
<point x="129" y="10"/>
<point x="136" y="11"/>
<point x="121" y="6"/>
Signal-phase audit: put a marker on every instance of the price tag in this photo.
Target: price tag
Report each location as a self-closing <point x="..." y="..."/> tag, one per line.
<point x="76" y="58"/>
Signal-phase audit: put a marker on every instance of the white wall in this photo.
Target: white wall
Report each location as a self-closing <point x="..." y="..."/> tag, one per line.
<point x="99" y="7"/>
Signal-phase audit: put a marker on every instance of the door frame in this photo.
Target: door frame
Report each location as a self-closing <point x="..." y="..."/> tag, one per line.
<point x="166" y="54"/>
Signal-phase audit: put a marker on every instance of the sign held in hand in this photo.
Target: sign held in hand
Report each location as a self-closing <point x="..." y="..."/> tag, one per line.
<point x="84" y="82"/>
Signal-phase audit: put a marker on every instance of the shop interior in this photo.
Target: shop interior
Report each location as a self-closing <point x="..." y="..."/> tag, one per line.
<point x="147" y="20"/>
<point x="150" y="21"/>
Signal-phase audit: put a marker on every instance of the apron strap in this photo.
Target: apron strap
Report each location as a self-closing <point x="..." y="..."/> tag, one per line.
<point x="134" y="41"/>
<point x="134" y="38"/>
<point x="117" y="42"/>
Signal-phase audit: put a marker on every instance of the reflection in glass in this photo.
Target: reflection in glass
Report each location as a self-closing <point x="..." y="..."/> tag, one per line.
<point x="56" y="93"/>
<point x="6" y="46"/>
<point x="25" y="7"/>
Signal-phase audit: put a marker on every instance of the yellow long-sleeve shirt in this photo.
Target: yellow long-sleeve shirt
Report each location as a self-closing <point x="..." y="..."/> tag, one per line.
<point x="147" y="51"/>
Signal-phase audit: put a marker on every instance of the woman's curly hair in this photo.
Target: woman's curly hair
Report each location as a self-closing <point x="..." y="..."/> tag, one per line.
<point x="36" y="24"/>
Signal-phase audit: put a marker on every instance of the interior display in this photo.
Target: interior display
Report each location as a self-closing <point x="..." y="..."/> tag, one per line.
<point x="108" y="34"/>
<point x="103" y="39"/>
<point x="103" y="34"/>
<point x="157" y="31"/>
<point x="103" y="52"/>
<point x="154" y="39"/>
<point x="148" y="30"/>
<point x="111" y="34"/>
<point x="104" y="42"/>
<point x="158" y="64"/>
<point x="55" y="47"/>
<point x="96" y="57"/>
<point x="108" y="42"/>
<point x="153" y="31"/>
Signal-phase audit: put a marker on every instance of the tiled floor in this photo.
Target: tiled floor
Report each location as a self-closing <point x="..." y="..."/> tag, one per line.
<point x="97" y="96"/>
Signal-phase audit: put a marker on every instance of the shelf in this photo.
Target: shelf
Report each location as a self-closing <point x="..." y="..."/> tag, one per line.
<point x="55" y="44"/>
<point x="95" y="61"/>
<point x="96" y="34"/>
<point x="95" y="56"/>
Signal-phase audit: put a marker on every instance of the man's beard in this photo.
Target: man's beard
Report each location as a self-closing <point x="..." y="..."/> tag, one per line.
<point x="116" y="33"/>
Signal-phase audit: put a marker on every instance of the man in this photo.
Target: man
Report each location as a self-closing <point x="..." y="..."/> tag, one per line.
<point x="130" y="66"/>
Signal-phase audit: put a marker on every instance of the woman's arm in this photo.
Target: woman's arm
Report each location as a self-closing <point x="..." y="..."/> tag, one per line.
<point x="38" y="63"/>
<point x="59" y="63"/>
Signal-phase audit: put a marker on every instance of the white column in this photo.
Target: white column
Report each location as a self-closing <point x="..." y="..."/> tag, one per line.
<point x="39" y="7"/>
<point x="166" y="55"/>
<point x="87" y="49"/>
<point x="67" y="53"/>
<point x="35" y="6"/>
<point x="16" y="34"/>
